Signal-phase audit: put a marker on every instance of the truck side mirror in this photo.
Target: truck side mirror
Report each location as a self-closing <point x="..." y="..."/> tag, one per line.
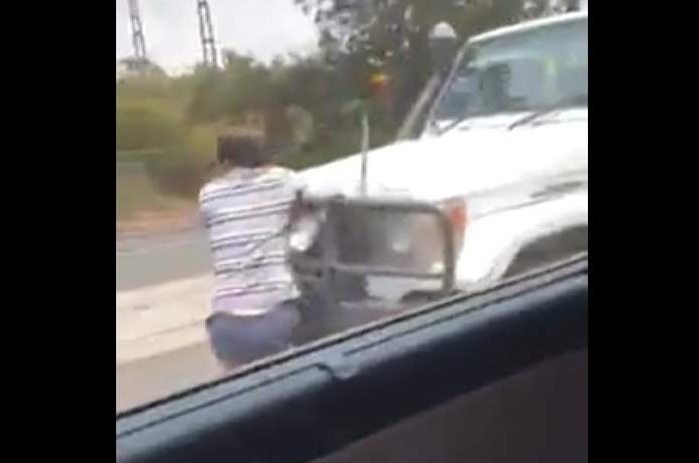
<point x="443" y="45"/>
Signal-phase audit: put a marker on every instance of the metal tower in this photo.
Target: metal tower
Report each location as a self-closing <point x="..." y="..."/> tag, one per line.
<point x="206" y="33"/>
<point x="139" y="42"/>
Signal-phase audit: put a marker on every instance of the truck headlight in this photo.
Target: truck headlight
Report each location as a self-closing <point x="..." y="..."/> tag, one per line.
<point x="420" y="238"/>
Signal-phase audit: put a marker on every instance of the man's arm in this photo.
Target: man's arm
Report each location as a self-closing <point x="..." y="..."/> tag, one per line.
<point x="298" y="208"/>
<point x="304" y="224"/>
<point x="203" y="215"/>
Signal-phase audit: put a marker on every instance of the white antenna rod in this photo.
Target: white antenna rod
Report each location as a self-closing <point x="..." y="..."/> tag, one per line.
<point x="365" y="151"/>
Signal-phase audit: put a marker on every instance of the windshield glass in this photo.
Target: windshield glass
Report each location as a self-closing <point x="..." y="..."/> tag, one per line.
<point x="519" y="72"/>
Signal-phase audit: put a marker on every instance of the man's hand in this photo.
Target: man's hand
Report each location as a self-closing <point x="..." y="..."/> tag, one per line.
<point x="298" y="208"/>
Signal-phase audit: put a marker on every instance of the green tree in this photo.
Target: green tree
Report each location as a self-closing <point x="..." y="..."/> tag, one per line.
<point x="391" y="36"/>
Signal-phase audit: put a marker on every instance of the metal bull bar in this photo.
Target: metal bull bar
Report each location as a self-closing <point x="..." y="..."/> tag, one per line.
<point x="327" y="264"/>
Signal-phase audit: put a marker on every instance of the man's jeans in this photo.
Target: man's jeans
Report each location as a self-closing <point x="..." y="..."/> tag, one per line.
<point x="236" y="340"/>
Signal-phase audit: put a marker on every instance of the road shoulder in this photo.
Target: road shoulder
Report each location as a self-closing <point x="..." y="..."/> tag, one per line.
<point x="162" y="318"/>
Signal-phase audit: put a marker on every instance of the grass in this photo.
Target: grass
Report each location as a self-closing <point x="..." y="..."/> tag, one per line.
<point x="135" y="191"/>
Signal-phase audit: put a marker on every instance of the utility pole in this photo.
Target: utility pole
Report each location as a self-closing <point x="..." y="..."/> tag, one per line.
<point x="137" y="38"/>
<point x="206" y="33"/>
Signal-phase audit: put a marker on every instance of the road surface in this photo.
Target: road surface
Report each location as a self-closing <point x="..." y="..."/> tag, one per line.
<point x="148" y="261"/>
<point x="143" y="381"/>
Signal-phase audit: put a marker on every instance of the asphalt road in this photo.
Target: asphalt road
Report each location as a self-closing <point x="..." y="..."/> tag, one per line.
<point x="143" y="381"/>
<point x="146" y="380"/>
<point x="149" y="261"/>
<point x="144" y="262"/>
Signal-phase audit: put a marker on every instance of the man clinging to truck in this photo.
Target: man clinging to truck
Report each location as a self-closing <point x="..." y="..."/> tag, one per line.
<point x="248" y="211"/>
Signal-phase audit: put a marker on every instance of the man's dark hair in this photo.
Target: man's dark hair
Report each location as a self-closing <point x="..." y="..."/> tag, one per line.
<point x="241" y="151"/>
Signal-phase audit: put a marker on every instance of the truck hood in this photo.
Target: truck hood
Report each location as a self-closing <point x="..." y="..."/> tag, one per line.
<point x="462" y="161"/>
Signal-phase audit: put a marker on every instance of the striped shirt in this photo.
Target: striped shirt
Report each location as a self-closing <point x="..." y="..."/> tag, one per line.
<point x="246" y="212"/>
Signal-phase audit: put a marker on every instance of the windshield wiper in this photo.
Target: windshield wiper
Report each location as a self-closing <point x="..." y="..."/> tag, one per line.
<point x="577" y="100"/>
<point x="455" y="123"/>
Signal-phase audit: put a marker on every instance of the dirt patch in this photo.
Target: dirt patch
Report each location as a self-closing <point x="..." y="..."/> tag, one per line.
<point x="152" y="222"/>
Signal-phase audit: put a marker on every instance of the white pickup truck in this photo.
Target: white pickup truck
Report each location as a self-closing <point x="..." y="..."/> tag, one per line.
<point x="502" y="146"/>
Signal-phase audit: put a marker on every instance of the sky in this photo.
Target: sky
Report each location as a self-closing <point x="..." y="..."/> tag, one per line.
<point x="263" y="28"/>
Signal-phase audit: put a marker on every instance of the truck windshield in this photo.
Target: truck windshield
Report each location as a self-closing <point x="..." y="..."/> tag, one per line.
<point x="524" y="71"/>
